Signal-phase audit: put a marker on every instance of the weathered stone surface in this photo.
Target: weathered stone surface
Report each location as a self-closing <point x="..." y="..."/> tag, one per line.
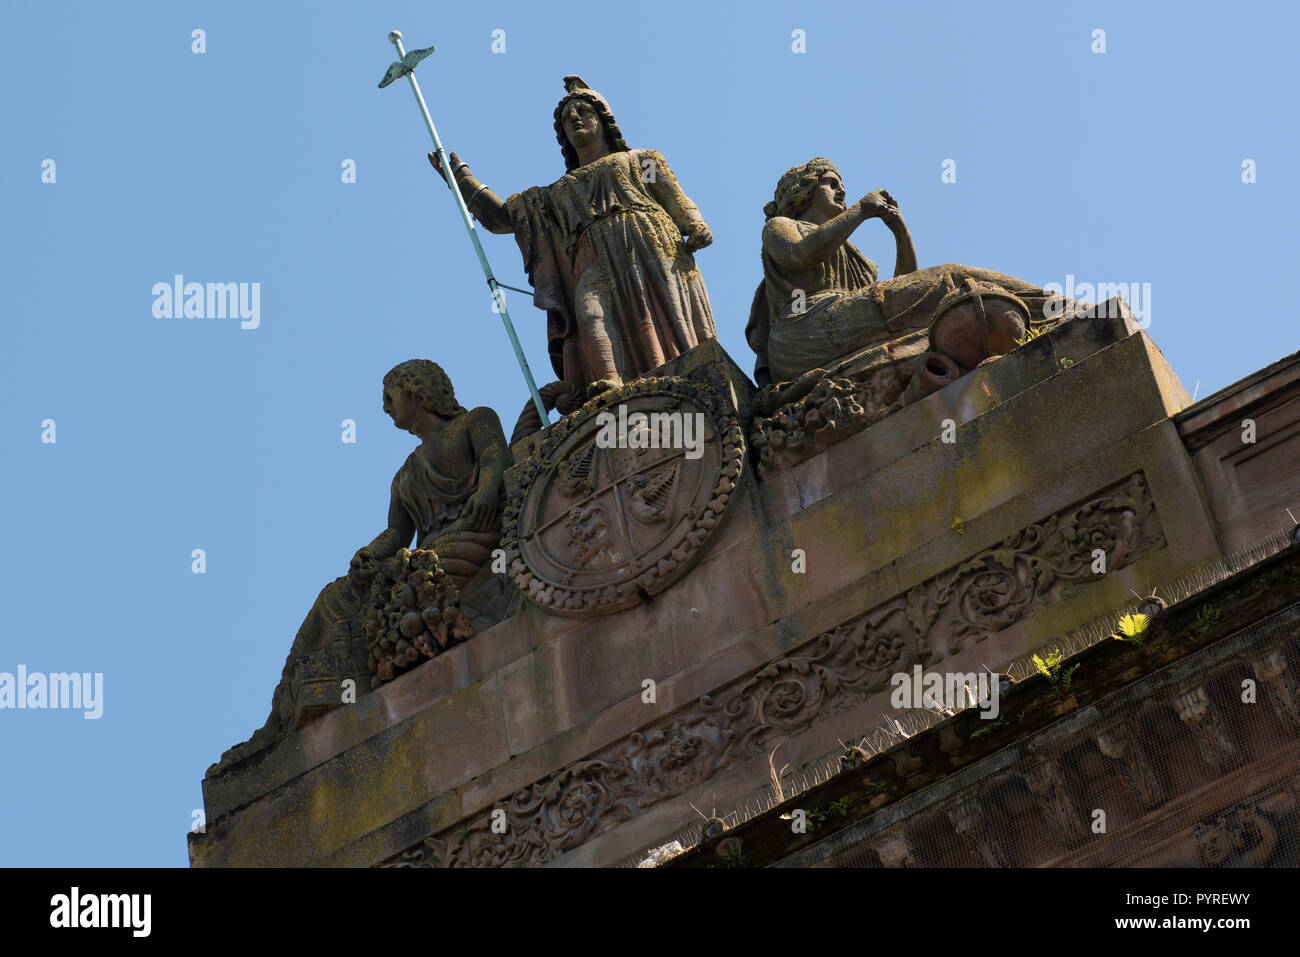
<point x="821" y="301"/>
<point x="611" y="773"/>
<point x="799" y="420"/>
<point x="364" y="787"/>
<point x="1246" y="440"/>
<point x="625" y="831"/>
<point x="1167" y="801"/>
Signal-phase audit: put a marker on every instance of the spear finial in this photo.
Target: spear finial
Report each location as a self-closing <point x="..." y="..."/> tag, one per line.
<point x="405" y="67"/>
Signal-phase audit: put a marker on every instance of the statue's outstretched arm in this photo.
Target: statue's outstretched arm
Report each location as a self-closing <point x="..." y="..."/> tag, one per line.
<point x="663" y="186"/>
<point x="484" y="205"/>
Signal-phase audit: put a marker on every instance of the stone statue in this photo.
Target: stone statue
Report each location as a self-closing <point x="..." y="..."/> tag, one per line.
<point x="821" y="300"/>
<point x="448" y="495"/>
<point x="397" y="605"/>
<point x="603" y="248"/>
<point x="839" y="350"/>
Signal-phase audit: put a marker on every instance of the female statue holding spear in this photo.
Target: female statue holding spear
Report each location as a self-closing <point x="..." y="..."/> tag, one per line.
<point x="607" y="248"/>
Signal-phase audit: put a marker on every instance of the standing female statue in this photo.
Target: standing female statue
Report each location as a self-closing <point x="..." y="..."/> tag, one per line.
<point x="821" y="299"/>
<point x="603" y="248"/>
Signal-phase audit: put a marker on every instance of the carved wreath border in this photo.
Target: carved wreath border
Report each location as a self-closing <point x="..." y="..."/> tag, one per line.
<point x="609" y="598"/>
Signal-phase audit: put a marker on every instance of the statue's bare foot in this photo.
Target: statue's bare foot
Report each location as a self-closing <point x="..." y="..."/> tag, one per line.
<point x="602" y="385"/>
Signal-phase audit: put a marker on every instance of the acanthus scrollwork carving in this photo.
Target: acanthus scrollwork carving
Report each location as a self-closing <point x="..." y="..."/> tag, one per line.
<point x="832" y="673"/>
<point x="1037" y="566"/>
<point x="837" y="671"/>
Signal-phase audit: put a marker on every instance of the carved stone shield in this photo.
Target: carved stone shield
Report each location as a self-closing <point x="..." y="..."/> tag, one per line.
<point x="619" y="498"/>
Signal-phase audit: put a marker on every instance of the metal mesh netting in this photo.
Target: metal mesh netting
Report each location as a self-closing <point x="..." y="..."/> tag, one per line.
<point x="1195" y="765"/>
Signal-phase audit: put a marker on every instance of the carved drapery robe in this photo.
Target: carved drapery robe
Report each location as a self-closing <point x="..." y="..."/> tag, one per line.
<point x="435" y="502"/>
<point x="604" y="256"/>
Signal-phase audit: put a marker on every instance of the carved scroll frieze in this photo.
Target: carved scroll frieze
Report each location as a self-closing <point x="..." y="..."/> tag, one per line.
<point x="834" y="672"/>
<point x="1035" y="567"/>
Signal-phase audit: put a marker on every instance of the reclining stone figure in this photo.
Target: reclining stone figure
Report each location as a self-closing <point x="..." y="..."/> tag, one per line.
<point x="821" y="299"/>
<point x="838" y="349"/>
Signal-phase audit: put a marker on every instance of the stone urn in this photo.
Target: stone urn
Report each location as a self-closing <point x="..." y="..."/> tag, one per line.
<point x="932" y="371"/>
<point x="976" y="322"/>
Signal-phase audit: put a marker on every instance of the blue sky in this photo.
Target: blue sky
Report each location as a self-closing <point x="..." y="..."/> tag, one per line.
<point x="225" y="166"/>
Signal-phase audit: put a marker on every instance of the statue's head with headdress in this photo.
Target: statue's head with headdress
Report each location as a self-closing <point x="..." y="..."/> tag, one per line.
<point x="576" y="89"/>
<point x="425" y="380"/>
<point x="795" y="190"/>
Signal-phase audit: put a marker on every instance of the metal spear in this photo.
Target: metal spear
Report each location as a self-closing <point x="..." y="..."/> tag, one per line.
<point x="405" y="66"/>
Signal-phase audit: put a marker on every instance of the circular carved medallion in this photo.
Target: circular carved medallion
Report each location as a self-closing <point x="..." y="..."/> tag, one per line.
<point x="618" y="499"/>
